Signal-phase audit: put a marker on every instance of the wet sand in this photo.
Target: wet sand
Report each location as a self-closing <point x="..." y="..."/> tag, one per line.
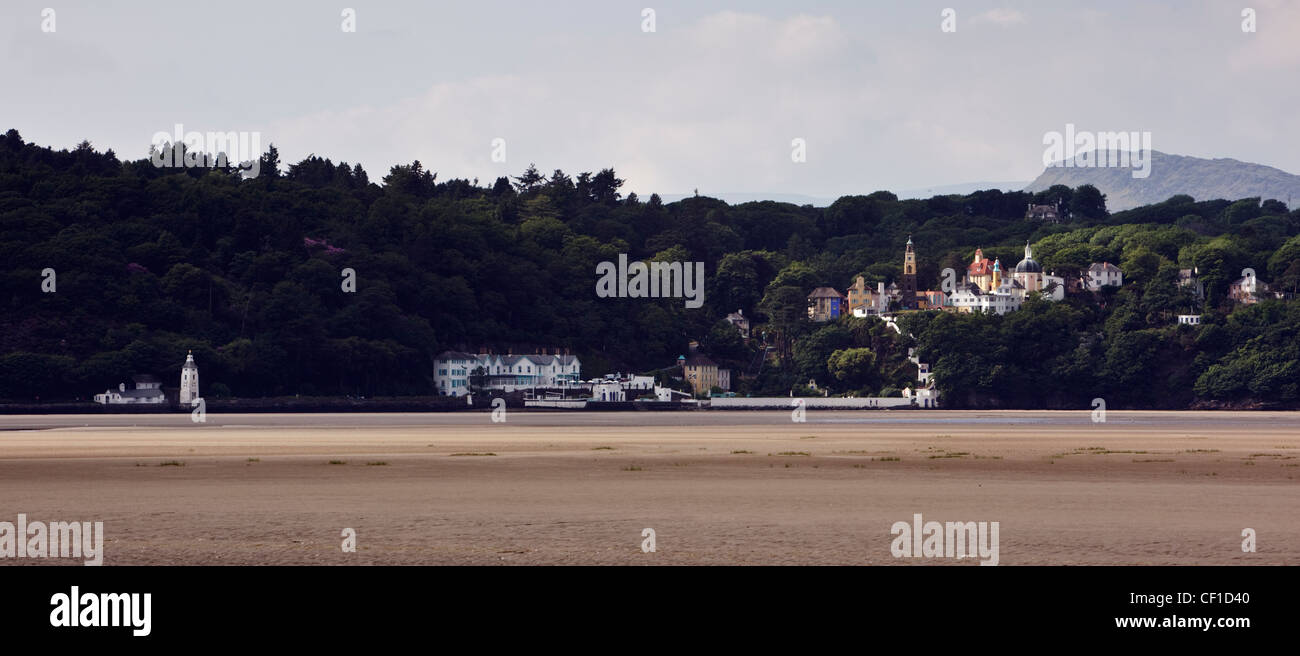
<point x="717" y="487"/>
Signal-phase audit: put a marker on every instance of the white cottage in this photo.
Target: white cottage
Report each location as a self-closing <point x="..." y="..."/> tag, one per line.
<point x="148" y="389"/>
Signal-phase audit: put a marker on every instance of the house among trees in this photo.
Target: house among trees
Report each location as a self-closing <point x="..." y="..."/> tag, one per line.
<point x="738" y="320"/>
<point x="148" y="389"/>
<point x="1102" y="274"/>
<point x="1048" y="213"/>
<point x="826" y="304"/>
<point x="1190" y="278"/>
<point x="1248" y="289"/>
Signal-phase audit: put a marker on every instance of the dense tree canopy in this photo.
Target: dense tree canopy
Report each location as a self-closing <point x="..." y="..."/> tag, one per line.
<point x="152" y="262"/>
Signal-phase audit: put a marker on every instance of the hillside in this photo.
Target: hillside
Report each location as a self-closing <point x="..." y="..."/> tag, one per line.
<point x="152" y="263"/>
<point x="1171" y="175"/>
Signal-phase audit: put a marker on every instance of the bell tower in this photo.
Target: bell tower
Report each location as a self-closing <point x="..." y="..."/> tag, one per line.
<point x="908" y="300"/>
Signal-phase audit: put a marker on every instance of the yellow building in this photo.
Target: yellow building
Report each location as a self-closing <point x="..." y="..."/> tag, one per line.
<point x="700" y="372"/>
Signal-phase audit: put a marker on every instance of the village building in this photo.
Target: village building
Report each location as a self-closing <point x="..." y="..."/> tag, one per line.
<point x="931" y="300"/>
<point x="1048" y="213"/>
<point x="826" y="304"/>
<point x="1190" y="279"/>
<point x="607" y="391"/>
<point x="924" y="395"/>
<point x="703" y="374"/>
<point x="866" y="302"/>
<point x="980" y="271"/>
<point x="148" y="389"/>
<point x="970" y="298"/>
<point x="894" y="294"/>
<point x="737" y="319"/>
<point x="987" y="290"/>
<point x="456" y="371"/>
<point x="1248" y="289"/>
<point x="1102" y="274"/>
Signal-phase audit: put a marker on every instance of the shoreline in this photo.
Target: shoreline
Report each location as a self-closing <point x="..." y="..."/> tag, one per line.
<point x="1156" y="488"/>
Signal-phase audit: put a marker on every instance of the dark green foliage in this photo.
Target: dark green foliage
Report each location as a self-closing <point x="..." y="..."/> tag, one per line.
<point x="152" y="263"/>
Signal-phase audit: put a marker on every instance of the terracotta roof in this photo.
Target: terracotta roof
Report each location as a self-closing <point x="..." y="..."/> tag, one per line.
<point x="825" y="292"/>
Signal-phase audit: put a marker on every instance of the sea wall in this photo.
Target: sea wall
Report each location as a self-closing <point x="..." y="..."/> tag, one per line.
<point x="811" y="403"/>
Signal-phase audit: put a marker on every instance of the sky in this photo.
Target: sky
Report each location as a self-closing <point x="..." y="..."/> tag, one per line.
<point x="712" y="99"/>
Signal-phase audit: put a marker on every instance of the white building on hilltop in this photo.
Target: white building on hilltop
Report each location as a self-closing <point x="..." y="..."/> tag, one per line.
<point x="189" y="380"/>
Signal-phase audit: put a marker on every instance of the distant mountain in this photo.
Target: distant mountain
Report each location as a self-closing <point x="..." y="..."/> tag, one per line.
<point x="736" y="198"/>
<point x="1170" y="175"/>
<point x="960" y="189"/>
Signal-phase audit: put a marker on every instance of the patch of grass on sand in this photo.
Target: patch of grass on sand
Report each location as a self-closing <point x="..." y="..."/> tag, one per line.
<point x="794" y="453"/>
<point x="887" y="459"/>
<point x="602" y="448"/>
<point x="474" y="454"/>
<point x="338" y="462"/>
<point x="255" y="460"/>
<point x="377" y="463"/>
<point x="632" y="468"/>
<point x="1154" y="460"/>
<point x="808" y="437"/>
<point x="742" y="452"/>
<point x="1200" y="450"/>
<point x="171" y="463"/>
<point x="949" y="454"/>
<point x="1097" y="451"/>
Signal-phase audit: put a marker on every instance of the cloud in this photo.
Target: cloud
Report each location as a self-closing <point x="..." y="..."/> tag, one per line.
<point x="884" y="98"/>
<point x="726" y="93"/>
<point x="1000" y="16"/>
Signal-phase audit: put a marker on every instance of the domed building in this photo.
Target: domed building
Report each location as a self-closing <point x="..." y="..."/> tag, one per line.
<point x="1029" y="273"/>
<point x="987" y="290"/>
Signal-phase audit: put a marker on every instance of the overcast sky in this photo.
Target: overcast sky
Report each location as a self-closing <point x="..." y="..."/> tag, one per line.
<point x="710" y="100"/>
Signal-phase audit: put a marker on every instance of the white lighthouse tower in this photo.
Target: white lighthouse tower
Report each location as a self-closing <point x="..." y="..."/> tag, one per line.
<point x="189" y="380"/>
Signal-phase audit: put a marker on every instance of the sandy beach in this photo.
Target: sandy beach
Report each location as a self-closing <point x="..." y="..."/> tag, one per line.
<point x="717" y="487"/>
